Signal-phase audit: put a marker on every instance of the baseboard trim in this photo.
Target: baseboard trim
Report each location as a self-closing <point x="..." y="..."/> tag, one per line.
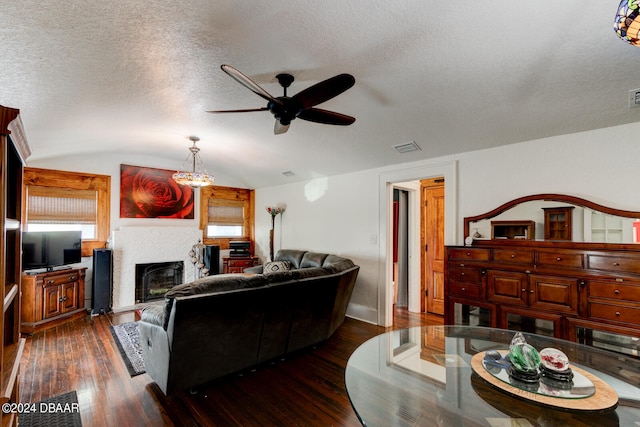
<point x="362" y="313"/>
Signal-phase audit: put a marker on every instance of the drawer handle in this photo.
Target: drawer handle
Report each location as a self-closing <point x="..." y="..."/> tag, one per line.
<point x="513" y="256"/>
<point x="51" y="281"/>
<point x="617" y="291"/>
<point x="461" y="265"/>
<point x="463" y="274"/>
<point x="468" y="253"/>
<point x="558" y="259"/>
<point x="616" y="264"/>
<point x="464" y="289"/>
<point x="531" y="291"/>
<point x="72" y="277"/>
<point x="618" y="313"/>
<point x="524" y="290"/>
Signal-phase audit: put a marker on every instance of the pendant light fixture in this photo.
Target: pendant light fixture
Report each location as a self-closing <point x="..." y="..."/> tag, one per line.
<point x="627" y="22"/>
<point x="197" y="176"/>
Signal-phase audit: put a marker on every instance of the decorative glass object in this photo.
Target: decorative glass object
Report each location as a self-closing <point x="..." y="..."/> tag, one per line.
<point x="627" y="22"/>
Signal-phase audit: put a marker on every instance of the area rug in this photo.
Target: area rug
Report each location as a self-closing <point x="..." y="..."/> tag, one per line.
<point x="61" y="410"/>
<point x="127" y="337"/>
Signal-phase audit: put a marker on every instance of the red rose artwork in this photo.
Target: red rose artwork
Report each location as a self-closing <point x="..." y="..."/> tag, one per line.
<point x="152" y="193"/>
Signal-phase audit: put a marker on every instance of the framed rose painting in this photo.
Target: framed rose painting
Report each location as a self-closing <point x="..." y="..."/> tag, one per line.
<point x="152" y="193"/>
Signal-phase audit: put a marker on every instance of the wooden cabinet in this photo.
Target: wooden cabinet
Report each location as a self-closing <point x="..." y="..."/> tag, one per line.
<point x="238" y="264"/>
<point x="13" y="152"/>
<point x="52" y="298"/>
<point x="557" y="223"/>
<point x="574" y="291"/>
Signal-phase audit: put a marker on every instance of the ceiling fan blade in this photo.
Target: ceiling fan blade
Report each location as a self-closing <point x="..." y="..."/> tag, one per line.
<point x="326" y="117"/>
<point x="325" y="90"/>
<point x="248" y="110"/>
<point x="279" y="128"/>
<point x="247" y="82"/>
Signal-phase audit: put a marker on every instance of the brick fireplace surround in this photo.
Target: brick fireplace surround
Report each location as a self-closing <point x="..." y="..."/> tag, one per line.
<point x="140" y="245"/>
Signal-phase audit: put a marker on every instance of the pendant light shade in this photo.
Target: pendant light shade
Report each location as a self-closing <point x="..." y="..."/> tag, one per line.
<point x="627" y="22"/>
<point x="197" y="176"/>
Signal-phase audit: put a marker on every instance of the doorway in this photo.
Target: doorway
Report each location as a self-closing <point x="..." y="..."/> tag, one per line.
<point x="387" y="182"/>
<point x="417" y="248"/>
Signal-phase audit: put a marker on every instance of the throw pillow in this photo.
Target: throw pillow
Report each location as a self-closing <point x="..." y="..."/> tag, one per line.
<point x="275" y="266"/>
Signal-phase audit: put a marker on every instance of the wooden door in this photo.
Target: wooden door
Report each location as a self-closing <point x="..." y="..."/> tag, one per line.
<point x="51" y="301"/>
<point x="432" y="240"/>
<point x="69" y="297"/>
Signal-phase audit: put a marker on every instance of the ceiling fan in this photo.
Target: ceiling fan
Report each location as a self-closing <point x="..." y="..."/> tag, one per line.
<point x="301" y="105"/>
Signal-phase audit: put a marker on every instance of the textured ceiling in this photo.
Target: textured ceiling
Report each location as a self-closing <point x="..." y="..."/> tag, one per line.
<point x="131" y="77"/>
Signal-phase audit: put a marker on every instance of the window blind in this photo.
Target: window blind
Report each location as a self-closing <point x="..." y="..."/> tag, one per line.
<point x="226" y="212"/>
<point x="50" y="205"/>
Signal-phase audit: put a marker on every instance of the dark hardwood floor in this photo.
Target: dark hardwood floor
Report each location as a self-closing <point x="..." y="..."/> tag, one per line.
<point x="305" y="389"/>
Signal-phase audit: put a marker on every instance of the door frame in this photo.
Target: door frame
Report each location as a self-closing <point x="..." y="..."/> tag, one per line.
<point x="386" y="182"/>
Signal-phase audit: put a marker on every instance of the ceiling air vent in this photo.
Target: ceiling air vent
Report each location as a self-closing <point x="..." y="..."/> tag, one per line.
<point x="634" y="98"/>
<point x="288" y="173"/>
<point x="407" y="147"/>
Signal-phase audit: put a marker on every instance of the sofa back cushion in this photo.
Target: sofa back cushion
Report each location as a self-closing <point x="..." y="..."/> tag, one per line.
<point x="210" y="284"/>
<point x="312" y="259"/>
<point x="293" y="256"/>
<point x="334" y="263"/>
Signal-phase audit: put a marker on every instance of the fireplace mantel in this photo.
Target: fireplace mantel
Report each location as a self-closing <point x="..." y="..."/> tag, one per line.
<point x="139" y="245"/>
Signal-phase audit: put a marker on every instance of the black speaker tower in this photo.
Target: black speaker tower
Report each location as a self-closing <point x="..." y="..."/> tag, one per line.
<point x="102" y="281"/>
<point x="212" y="259"/>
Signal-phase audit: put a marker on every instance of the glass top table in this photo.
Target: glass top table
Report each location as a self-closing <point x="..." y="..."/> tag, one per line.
<point x="424" y="376"/>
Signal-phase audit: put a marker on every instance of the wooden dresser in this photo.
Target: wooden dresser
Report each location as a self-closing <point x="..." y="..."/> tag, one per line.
<point x="238" y="264"/>
<point x="564" y="289"/>
<point x="52" y="298"/>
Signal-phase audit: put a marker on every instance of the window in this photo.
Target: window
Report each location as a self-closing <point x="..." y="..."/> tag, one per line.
<point x="57" y="200"/>
<point x="226" y="214"/>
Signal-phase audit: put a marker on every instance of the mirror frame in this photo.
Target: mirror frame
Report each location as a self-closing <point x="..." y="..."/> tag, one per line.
<point x="552" y="198"/>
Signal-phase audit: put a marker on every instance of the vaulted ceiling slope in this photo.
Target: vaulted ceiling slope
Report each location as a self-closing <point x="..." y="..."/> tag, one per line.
<point x="136" y="77"/>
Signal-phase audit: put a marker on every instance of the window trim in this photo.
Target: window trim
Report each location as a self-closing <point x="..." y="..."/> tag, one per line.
<point x="75" y="181"/>
<point x="227" y="193"/>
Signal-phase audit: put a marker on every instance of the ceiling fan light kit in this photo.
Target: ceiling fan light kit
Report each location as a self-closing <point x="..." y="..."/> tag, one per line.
<point x="627" y="22"/>
<point x="301" y="105"/>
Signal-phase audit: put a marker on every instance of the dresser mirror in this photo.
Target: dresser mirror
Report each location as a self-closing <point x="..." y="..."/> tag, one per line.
<point x="586" y="221"/>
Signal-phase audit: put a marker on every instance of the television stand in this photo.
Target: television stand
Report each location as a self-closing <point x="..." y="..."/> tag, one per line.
<point x="51" y="298"/>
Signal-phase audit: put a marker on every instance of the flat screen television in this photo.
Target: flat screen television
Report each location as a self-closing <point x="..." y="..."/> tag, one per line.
<point x="49" y="249"/>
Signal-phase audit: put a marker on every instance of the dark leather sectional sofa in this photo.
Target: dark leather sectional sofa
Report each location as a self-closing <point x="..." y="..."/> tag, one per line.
<point x="228" y="323"/>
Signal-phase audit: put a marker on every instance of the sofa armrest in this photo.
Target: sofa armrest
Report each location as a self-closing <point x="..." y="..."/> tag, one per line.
<point x="153" y="314"/>
<point x="253" y="270"/>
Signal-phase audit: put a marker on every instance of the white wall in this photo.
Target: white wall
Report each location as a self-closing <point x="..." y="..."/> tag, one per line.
<point x="601" y="166"/>
<point x="345" y="214"/>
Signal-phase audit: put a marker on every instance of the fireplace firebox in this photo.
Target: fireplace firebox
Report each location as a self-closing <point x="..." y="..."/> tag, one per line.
<point x="153" y="280"/>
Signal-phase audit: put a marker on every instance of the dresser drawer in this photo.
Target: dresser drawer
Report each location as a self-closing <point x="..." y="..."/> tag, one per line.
<point x="464" y="290"/>
<point x="614" y="263"/>
<point x="469" y="254"/>
<point x="465" y="275"/>
<point x="240" y="263"/>
<point x="60" y="279"/>
<point x="507" y="255"/>
<point x="615" y="312"/>
<point x="561" y="259"/>
<point x="622" y="290"/>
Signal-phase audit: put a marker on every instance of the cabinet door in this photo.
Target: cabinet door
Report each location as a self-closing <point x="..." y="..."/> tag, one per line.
<point x="508" y="287"/>
<point x="553" y="293"/>
<point x="69" y="297"/>
<point x="51" y="301"/>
